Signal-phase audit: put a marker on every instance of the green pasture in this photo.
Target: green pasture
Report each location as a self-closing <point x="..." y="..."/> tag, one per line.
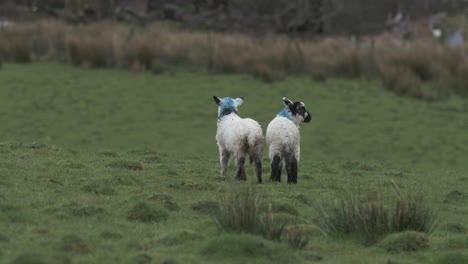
<point x="110" y="166"/>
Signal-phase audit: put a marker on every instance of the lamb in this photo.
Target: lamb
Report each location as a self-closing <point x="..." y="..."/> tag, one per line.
<point x="283" y="139"/>
<point x="238" y="136"/>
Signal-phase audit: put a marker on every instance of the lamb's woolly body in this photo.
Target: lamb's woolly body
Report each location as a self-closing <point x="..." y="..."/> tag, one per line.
<point x="283" y="138"/>
<point x="239" y="136"/>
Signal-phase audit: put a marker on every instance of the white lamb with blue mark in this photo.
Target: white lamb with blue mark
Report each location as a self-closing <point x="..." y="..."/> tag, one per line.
<point x="283" y="139"/>
<point x="238" y="137"/>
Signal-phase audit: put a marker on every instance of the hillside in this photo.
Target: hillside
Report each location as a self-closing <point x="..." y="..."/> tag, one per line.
<point x="109" y="166"/>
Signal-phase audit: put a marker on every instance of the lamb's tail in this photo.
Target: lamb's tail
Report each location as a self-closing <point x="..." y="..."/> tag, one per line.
<point x="256" y="149"/>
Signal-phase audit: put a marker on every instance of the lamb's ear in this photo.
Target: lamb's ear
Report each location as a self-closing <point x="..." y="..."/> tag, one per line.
<point x="217" y="100"/>
<point x="238" y="101"/>
<point x="287" y="102"/>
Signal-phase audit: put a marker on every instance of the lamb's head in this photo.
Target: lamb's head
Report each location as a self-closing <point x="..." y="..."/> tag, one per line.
<point x="227" y="106"/>
<point x="295" y="111"/>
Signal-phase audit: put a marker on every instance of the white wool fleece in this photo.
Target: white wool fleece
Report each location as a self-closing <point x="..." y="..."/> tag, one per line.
<point x="238" y="135"/>
<point x="283" y="137"/>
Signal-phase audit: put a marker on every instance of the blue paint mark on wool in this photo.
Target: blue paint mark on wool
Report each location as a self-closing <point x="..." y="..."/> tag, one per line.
<point x="285" y="113"/>
<point x="226" y="108"/>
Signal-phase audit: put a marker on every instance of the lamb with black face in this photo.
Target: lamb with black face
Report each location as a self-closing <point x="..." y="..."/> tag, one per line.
<point x="283" y="139"/>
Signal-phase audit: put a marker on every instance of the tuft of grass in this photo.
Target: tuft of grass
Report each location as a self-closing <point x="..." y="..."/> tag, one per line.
<point x="243" y="248"/>
<point x="411" y="213"/>
<point x="370" y="217"/>
<point x="143" y="212"/>
<point x="297" y="236"/>
<point x="284" y="207"/>
<point x="244" y="211"/>
<point x="239" y="211"/>
<point x="408" y="241"/>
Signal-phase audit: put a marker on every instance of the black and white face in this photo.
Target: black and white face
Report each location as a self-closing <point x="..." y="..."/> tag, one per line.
<point x="298" y="110"/>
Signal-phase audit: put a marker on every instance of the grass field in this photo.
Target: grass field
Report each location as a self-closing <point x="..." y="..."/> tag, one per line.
<point x="109" y="166"/>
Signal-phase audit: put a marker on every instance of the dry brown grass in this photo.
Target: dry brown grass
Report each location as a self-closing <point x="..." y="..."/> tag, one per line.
<point x="422" y="70"/>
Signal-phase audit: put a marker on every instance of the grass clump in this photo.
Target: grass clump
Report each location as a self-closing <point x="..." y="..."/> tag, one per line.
<point x="296" y="236"/>
<point x="370" y="217"/>
<point x="244" y="211"/>
<point x="285" y="208"/>
<point x="244" y="248"/>
<point x="408" y="241"/>
<point x="143" y="212"/>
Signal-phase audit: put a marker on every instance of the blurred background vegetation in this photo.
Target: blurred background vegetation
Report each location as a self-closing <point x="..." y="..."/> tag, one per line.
<point x="416" y="48"/>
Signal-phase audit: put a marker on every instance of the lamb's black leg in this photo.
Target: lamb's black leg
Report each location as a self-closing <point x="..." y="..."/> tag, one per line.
<point x="276" y="169"/>
<point x="291" y="168"/>
<point x="240" y="168"/>
<point x="258" y="168"/>
<point x="224" y="162"/>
